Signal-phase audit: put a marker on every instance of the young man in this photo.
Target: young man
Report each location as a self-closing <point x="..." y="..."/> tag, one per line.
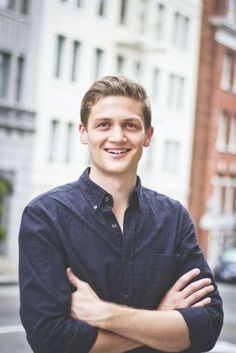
<point x="142" y="283"/>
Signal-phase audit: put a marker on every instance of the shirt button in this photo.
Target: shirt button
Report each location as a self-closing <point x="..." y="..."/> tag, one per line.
<point x="114" y="225"/>
<point x="95" y="207"/>
<point x="107" y="198"/>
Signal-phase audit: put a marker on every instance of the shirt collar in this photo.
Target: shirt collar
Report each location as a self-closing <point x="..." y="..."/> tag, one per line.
<point x="100" y="198"/>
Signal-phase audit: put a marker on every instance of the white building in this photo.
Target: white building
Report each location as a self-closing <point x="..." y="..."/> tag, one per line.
<point x="71" y="43"/>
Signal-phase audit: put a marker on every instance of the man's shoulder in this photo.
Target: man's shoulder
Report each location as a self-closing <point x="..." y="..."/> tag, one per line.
<point x="158" y="199"/>
<point x="57" y="193"/>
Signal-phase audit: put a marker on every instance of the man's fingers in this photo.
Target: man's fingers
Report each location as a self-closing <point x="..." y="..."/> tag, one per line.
<point x="202" y="303"/>
<point x="186" y="279"/>
<point x="198" y="295"/>
<point x="195" y="286"/>
<point x="75" y="281"/>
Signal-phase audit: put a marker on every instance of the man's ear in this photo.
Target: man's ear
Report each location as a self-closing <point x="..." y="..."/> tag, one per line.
<point x="148" y="136"/>
<point x="83" y="134"/>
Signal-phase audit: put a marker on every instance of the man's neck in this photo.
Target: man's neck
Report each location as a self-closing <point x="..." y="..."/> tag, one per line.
<point x="119" y="186"/>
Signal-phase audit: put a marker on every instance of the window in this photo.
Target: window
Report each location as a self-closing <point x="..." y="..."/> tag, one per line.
<point x="101" y="7"/>
<point x="7" y="4"/>
<point x="176" y="91"/>
<point x="123" y="11"/>
<point x="59" y="55"/>
<point x="75" y="59"/>
<point x="142" y="15"/>
<point x="4" y="73"/>
<point x="69" y="142"/>
<point x="53" y="140"/>
<point x="171" y="157"/>
<point x="19" y="78"/>
<point x="98" y="62"/>
<point x="229" y="195"/>
<point x="232" y="137"/>
<point x="231" y="10"/>
<point x="160" y="21"/>
<point x="120" y="61"/>
<point x="137" y="70"/>
<point x="180" y="30"/>
<point x="234" y="77"/>
<point x="155" y="84"/>
<point x="222" y="135"/>
<point x="80" y="3"/>
<point x="227" y="71"/>
<point x="24" y="7"/>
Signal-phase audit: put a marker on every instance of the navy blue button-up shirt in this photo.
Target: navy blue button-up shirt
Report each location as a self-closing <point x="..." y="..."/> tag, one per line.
<point x="73" y="225"/>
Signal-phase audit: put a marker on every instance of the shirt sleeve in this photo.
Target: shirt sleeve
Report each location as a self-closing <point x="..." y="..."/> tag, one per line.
<point x="45" y="292"/>
<point x="204" y="323"/>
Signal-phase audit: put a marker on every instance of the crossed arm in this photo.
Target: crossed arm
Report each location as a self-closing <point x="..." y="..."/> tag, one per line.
<point x="123" y="328"/>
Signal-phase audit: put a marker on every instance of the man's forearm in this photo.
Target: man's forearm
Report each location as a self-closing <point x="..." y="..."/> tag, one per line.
<point x="110" y="342"/>
<point x="163" y="330"/>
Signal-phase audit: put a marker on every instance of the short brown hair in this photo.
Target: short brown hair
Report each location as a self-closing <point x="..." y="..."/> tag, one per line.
<point x="115" y="86"/>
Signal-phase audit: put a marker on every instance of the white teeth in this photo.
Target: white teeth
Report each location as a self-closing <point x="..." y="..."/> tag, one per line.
<point x="116" y="151"/>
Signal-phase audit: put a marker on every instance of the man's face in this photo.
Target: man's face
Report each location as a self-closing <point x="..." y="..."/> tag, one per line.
<point x="115" y="135"/>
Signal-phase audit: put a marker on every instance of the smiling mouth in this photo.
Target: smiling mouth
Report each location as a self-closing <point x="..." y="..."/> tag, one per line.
<point x="117" y="151"/>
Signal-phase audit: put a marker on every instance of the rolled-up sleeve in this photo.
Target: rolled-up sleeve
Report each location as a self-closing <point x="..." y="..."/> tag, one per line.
<point x="45" y="292"/>
<point x="204" y="323"/>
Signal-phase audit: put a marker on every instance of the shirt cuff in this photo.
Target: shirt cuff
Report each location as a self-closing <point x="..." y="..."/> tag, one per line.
<point x="84" y="339"/>
<point x="200" y="329"/>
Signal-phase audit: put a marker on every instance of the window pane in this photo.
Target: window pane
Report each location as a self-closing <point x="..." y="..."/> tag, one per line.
<point x="180" y="30"/>
<point x="101" y="7"/>
<point x="98" y="62"/>
<point x="120" y="60"/>
<point x="25" y="7"/>
<point x="75" y="59"/>
<point x="19" y="77"/>
<point x="80" y="3"/>
<point x="160" y="21"/>
<point x="69" y="142"/>
<point x="171" y="157"/>
<point x="138" y="70"/>
<point x="4" y="73"/>
<point x="155" y="83"/>
<point x="53" y="140"/>
<point x="123" y="11"/>
<point x="59" y="55"/>
<point x="222" y="132"/>
<point x="226" y="71"/>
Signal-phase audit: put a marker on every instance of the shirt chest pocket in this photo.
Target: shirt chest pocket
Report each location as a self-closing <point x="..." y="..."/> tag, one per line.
<point x="161" y="271"/>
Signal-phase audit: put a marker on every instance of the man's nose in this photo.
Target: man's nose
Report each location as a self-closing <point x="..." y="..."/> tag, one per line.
<point x="117" y="135"/>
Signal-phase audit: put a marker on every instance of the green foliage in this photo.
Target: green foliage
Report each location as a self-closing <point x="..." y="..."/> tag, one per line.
<point x="2" y="233"/>
<point x="4" y="190"/>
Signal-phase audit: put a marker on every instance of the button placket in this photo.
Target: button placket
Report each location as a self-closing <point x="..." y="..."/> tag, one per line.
<point x="127" y="256"/>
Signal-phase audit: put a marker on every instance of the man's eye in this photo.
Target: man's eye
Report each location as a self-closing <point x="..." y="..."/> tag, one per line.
<point x="103" y="125"/>
<point x="130" y="126"/>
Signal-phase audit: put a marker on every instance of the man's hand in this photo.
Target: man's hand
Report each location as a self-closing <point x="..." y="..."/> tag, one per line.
<point x="85" y="304"/>
<point x="184" y="294"/>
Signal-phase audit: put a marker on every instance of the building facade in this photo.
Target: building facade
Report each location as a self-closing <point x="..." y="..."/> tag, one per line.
<point x="212" y="200"/>
<point x="17" y="120"/>
<point x="72" y="43"/>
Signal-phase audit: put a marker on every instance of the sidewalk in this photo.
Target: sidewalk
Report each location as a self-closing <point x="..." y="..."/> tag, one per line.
<point x="8" y="271"/>
<point x="224" y="347"/>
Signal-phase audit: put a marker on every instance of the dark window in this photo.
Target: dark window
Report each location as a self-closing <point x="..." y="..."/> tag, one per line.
<point x="59" y="55"/>
<point x="75" y="59"/>
<point x="19" y="78"/>
<point x="4" y="73"/>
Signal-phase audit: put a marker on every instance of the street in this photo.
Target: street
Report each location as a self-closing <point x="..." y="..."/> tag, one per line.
<point x="12" y="336"/>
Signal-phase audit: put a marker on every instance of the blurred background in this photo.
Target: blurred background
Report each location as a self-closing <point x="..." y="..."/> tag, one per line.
<point x="183" y="52"/>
